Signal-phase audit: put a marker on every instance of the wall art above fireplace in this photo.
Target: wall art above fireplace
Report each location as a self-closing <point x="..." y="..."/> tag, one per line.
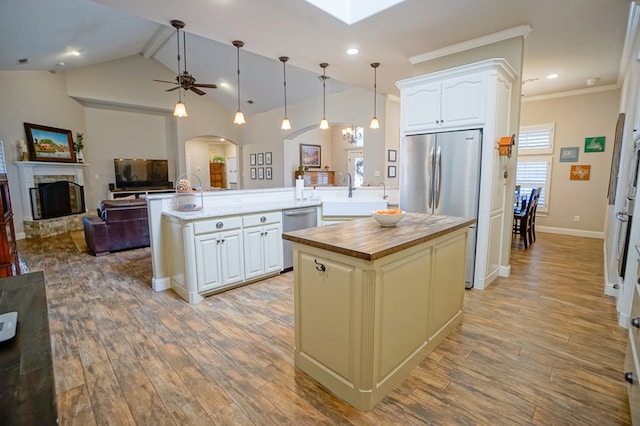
<point x="49" y="143"/>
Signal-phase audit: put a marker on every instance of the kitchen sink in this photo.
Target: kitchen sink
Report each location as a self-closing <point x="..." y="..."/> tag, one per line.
<point x="351" y="207"/>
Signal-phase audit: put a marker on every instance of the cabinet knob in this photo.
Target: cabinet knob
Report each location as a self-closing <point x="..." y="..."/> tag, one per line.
<point x="219" y="225"/>
<point x="628" y="377"/>
<point x="636" y="322"/>
<point x="222" y="241"/>
<point x="263" y="219"/>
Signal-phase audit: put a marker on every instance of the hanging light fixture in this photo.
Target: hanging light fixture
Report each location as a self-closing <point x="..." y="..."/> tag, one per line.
<point x="239" y="117"/>
<point x="324" y="124"/>
<point x="180" y="110"/>
<point x="286" y="124"/>
<point x="374" y="121"/>
<point x="352" y="134"/>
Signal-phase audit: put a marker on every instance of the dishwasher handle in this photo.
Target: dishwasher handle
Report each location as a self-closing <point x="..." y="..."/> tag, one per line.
<point x="299" y="212"/>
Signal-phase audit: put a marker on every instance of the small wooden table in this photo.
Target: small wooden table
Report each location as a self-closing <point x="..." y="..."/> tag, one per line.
<point x="27" y="387"/>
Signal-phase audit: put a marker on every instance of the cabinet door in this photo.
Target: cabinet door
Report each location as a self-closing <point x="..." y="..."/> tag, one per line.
<point x="463" y="101"/>
<point x="208" y="262"/>
<point x="231" y="251"/>
<point x="421" y="107"/>
<point x="253" y="265"/>
<point x="272" y="245"/>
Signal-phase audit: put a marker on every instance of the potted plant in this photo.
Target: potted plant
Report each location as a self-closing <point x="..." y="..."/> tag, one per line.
<point x="218" y="159"/>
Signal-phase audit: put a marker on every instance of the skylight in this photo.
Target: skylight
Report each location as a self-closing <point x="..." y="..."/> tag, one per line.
<point x="352" y="11"/>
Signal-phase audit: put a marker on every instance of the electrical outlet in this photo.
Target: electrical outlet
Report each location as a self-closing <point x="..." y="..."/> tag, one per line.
<point x="377" y="173"/>
<point x="576" y="218"/>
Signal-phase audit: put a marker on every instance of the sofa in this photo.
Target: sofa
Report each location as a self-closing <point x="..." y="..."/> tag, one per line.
<point x="121" y="224"/>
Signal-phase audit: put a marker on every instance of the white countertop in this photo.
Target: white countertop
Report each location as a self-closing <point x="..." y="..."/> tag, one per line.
<point x="239" y="208"/>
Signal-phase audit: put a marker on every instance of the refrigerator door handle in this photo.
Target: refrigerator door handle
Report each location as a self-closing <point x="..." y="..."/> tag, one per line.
<point x="438" y="176"/>
<point x="430" y="174"/>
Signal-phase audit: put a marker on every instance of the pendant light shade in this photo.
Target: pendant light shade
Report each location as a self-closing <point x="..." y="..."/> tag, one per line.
<point x="374" y="121"/>
<point x="324" y="124"/>
<point x="180" y="110"/>
<point x="239" y="117"/>
<point x="286" y="124"/>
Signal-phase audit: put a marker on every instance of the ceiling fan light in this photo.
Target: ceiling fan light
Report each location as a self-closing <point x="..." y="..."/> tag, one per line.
<point x="286" y="124"/>
<point x="374" y="123"/>
<point x="239" y="118"/>
<point x="324" y="124"/>
<point x="180" y="110"/>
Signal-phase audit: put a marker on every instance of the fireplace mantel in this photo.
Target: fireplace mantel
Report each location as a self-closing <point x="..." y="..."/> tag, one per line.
<point x="28" y="169"/>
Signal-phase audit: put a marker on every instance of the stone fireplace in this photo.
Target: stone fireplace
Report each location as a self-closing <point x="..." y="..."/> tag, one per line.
<point x="36" y="174"/>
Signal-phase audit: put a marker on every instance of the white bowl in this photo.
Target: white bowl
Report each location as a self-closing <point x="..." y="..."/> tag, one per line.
<point x="387" y="219"/>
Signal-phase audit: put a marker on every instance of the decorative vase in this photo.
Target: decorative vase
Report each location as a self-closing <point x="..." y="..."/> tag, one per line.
<point x="79" y="157"/>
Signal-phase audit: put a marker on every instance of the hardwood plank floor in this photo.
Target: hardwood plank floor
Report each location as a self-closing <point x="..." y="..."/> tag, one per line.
<point x="539" y="347"/>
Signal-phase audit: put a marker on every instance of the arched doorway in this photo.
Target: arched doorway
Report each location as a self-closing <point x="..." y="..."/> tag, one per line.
<point x="214" y="159"/>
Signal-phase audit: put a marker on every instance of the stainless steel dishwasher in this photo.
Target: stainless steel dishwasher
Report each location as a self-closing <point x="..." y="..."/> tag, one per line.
<point x="293" y="220"/>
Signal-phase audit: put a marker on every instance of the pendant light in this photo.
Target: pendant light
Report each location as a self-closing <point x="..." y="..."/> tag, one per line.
<point x="324" y="124"/>
<point x="180" y="110"/>
<point x="239" y="117"/>
<point x="286" y="124"/>
<point x="374" y="121"/>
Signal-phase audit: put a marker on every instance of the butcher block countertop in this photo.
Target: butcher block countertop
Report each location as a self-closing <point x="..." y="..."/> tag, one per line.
<point x="366" y="239"/>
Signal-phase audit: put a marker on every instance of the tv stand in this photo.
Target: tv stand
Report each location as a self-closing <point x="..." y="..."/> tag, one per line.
<point x="137" y="192"/>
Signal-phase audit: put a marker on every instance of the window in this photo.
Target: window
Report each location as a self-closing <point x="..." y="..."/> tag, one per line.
<point x="534" y="169"/>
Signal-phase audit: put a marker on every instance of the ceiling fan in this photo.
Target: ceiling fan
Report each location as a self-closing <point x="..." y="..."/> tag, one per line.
<point x="184" y="79"/>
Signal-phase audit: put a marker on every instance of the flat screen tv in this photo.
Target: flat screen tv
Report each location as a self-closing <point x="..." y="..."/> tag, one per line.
<point x="136" y="173"/>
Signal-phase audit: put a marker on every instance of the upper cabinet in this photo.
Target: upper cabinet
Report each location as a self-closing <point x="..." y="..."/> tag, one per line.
<point x="457" y="98"/>
<point x="444" y="104"/>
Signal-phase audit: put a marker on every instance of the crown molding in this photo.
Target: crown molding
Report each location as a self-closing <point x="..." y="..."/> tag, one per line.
<point x="522" y="30"/>
<point x="567" y="93"/>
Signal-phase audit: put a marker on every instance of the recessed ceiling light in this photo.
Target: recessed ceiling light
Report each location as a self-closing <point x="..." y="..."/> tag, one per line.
<point x="224" y="84"/>
<point x="552" y="76"/>
<point x="75" y="53"/>
<point x="352" y="51"/>
<point x="60" y="64"/>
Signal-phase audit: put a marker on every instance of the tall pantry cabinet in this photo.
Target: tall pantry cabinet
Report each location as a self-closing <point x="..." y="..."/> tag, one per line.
<point x="473" y="96"/>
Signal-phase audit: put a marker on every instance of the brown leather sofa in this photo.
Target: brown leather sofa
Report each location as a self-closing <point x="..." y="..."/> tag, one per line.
<point x="120" y="225"/>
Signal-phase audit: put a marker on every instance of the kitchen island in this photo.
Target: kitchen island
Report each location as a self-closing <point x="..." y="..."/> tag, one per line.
<point x="372" y="302"/>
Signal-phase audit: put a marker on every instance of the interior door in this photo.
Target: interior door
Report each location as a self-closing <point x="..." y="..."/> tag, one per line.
<point x="232" y="164"/>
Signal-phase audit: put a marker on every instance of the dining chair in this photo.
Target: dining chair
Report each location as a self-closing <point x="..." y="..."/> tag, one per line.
<point x="524" y="219"/>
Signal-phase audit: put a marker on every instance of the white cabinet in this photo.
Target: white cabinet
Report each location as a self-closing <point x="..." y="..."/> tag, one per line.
<point x="450" y="103"/>
<point x="218" y="254"/>
<point x="262" y="244"/>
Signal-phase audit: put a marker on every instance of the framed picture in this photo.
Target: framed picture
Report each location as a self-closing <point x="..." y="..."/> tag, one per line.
<point x="252" y="159"/>
<point x="49" y="144"/>
<point x="391" y="171"/>
<point x="310" y="155"/>
<point x="569" y="155"/>
<point x="580" y="172"/>
<point x="594" y="144"/>
<point x="260" y="172"/>
<point x="260" y="159"/>
<point x="269" y="173"/>
<point x="253" y="172"/>
<point x="267" y="159"/>
<point x="392" y="155"/>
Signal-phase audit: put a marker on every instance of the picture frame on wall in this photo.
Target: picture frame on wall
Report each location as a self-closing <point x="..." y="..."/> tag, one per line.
<point x="392" y="156"/>
<point x="269" y="173"/>
<point x="569" y="154"/>
<point x="391" y="171"/>
<point x="267" y="158"/>
<point x="49" y="143"/>
<point x="252" y="159"/>
<point x="310" y="155"/>
<point x="260" y="172"/>
<point x="253" y="173"/>
<point x="260" y="159"/>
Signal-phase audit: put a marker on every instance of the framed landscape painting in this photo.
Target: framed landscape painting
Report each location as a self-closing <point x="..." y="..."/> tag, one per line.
<point x="310" y="155"/>
<point x="49" y="144"/>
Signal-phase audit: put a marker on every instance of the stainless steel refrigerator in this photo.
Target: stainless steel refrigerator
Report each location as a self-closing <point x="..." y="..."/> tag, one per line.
<point x="440" y="174"/>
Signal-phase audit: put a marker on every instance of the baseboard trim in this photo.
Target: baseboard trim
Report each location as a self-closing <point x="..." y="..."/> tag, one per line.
<point x="573" y="232"/>
<point x="160" y="284"/>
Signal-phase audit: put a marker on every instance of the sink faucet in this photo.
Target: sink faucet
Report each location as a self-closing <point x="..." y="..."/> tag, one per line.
<point x="384" y="190"/>
<point x="347" y="177"/>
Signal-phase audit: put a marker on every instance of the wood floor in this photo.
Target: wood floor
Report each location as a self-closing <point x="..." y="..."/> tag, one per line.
<point x="539" y="347"/>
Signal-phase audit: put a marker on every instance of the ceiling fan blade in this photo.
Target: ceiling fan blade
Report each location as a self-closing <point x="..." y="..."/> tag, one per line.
<point x="210" y="86"/>
<point x="172" y="89"/>
<point x="165" y="81"/>
<point x="196" y="90"/>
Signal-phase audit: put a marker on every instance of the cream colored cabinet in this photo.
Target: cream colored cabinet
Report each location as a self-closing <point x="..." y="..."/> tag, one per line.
<point x="262" y="244"/>
<point x="218" y="257"/>
<point x="437" y="105"/>
<point x="632" y="359"/>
